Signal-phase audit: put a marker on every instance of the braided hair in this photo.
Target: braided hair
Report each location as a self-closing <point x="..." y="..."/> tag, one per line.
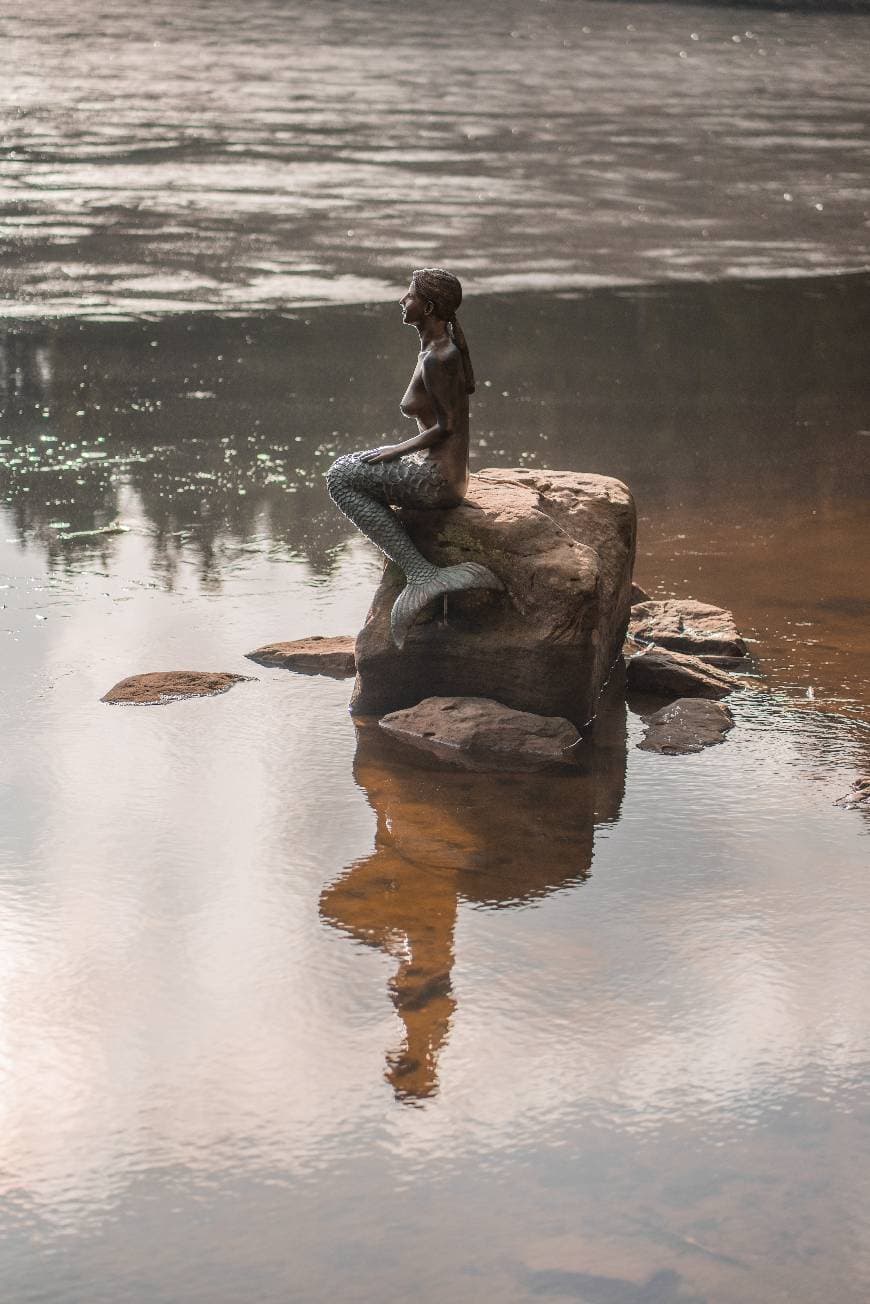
<point x="443" y="289"/>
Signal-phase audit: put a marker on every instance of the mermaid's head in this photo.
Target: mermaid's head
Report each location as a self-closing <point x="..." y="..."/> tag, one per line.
<point x="444" y="291"/>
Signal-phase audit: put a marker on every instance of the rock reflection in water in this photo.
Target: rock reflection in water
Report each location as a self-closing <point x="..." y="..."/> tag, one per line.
<point x="492" y="840"/>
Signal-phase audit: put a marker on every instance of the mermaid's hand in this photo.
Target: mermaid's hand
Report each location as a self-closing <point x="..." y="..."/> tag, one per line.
<point x="388" y="453"/>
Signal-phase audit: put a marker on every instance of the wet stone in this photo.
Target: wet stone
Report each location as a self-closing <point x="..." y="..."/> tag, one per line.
<point x="477" y="733"/>
<point x="172" y="686"/>
<point x="310" y="656"/>
<point x="684" y="625"/>
<point x="674" y="674"/>
<point x="687" y="725"/>
<point x="562" y="543"/>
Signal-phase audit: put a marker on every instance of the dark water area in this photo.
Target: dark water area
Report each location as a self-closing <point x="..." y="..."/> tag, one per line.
<point x="738" y="415"/>
<point x="311" y="153"/>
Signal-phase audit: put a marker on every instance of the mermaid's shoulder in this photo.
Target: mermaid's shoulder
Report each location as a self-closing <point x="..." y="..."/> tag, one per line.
<point x="445" y="360"/>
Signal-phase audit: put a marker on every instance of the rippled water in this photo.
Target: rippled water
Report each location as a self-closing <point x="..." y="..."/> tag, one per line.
<point x="293" y="152"/>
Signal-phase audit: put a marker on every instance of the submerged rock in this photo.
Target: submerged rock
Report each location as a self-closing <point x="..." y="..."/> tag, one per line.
<point x="171" y="686"/>
<point x="687" y="725"/>
<point x="310" y="656"/>
<point x="673" y="674"/>
<point x="478" y="733"/>
<point x="563" y="546"/>
<point x="683" y="625"/>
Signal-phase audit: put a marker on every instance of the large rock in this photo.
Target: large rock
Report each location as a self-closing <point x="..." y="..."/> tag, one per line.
<point x="672" y="674"/>
<point x="683" y="625"/>
<point x="687" y="725"/>
<point x="563" y="545"/>
<point x="310" y="656"/>
<point x="476" y="733"/>
<point x="171" y="686"/>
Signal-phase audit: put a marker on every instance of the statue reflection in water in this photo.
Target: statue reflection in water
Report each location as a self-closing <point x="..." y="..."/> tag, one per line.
<point x="445" y="835"/>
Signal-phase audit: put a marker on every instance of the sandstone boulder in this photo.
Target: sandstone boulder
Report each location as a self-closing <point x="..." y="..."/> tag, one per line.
<point x="171" y="686"/>
<point x="673" y="674"/>
<point x="683" y="625"/>
<point x="563" y="545"/>
<point x="687" y="725"/>
<point x="477" y="733"/>
<point x="310" y="656"/>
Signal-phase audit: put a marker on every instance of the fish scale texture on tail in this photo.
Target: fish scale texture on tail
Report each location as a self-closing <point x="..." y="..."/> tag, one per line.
<point x="364" y="491"/>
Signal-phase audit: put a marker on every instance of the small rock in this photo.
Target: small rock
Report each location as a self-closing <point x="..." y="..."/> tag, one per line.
<point x="687" y="725"/>
<point x="310" y="656"/>
<point x="638" y="594"/>
<point x="171" y="686"/>
<point x="673" y="674"/>
<point x="858" y="795"/>
<point x="478" y="733"/>
<point x="684" y="625"/>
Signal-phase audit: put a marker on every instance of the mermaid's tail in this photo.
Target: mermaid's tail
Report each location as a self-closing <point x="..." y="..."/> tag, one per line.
<point x="417" y="594"/>
<point x="363" y="490"/>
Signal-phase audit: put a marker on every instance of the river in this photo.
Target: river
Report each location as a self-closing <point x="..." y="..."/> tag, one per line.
<point x="640" y="1071"/>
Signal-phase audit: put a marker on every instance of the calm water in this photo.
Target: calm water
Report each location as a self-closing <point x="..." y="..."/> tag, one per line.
<point x="282" y="1016"/>
<point x="285" y="1018"/>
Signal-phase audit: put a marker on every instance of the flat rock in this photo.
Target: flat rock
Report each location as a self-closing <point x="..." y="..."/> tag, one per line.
<point x="171" y="686"/>
<point x="687" y="725"/>
<point x="683" y="625"/>
<point x="562" y="543"/>
<point x="310" y="656"/>
<point x="475" y="732"/>
<point x="673" y="674"/>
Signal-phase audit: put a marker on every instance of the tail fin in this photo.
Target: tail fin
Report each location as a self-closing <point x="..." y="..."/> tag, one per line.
<point x="446" y="579"/>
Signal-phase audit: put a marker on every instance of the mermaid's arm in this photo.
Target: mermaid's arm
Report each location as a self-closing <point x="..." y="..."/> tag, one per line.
<point x="440" y="382"/>
<point x="425" y="439"/>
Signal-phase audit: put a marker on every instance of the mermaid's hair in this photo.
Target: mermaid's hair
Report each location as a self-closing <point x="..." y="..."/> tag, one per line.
<point x="443" y="289"/>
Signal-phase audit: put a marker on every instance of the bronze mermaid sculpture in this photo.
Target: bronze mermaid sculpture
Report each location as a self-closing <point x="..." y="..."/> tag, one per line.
<point x="429" y="470"/>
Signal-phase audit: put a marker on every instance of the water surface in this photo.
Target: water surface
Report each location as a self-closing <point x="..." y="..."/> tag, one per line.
<point x="314" y="152"/>
<point x="282" y="1015"/>
<point x="288" y="1018"/>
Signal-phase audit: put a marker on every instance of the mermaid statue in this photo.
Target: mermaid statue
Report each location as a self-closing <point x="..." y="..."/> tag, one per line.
<point x="429" y="470"/>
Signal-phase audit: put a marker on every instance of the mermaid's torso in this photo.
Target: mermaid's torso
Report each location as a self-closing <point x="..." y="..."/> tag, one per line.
<point x="451" y="453"/>
<point x="416" y="402"/>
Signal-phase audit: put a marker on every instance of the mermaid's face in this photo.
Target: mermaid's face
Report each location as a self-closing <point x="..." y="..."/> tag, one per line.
<point x="414" y="306"/>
